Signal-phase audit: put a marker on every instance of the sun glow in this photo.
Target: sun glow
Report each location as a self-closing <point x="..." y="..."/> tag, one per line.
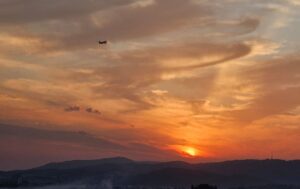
<point x="188" y="151"/>
<point x="191" y="151"/>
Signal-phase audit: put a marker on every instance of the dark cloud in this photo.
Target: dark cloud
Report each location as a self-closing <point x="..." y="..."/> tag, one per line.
<point x="91" y="110"/>
<point x="78" y="109"/>
<point x="20" y="12"/>
<point x="77" y="137"/>
<point x="52" y="98"/>
<point x="53" y="145"/>
<point x="72" y="109"/>
<point x="139" y="134"/>
<point x="151" y="152"/>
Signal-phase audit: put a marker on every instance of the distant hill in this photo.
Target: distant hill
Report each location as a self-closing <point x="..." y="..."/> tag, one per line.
<point x="75" y="164"/>
<point x="121" y="171"/>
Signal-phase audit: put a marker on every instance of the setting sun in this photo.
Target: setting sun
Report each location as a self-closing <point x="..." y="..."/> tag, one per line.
<point x="187" y="151"/>
<point x="191" y="151"/>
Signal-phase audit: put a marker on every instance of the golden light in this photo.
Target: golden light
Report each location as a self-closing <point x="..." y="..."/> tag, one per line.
<point x="191" y="151"/>
<point x="188" y="151"/>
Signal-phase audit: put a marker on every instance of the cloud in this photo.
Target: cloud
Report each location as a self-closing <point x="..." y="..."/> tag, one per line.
<point x="60" y="145"/>
<point x="135" y="22"/>
<point x="129" y="74"/>
<point x="16" y="11"/>
<point x="152" y="152"/>
<point x="91" y="110"/>
<point x="188" y="55"/>
<point x="38" y="91"/>
<point x="72" y="109"/>
<point x="80" y="137"/>
<point x="278" y="79"/>
<point x="136" y="70"/>
<point x="78" y="109"/>
<point x="270" y="104"/>
<point x="81" y="29"/>
<point x="204" y="65"/>
<point x="122" y="23"/>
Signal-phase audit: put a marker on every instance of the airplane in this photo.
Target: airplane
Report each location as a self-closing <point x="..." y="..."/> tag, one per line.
<point x="102" y="42"/>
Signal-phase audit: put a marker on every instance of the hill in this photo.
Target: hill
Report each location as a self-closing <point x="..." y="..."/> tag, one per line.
<point x="123" y="172"/>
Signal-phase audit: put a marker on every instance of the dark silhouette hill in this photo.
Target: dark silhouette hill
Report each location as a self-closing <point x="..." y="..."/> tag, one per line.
<point x="121" y="171"/>
<point x="86" y="163"/>
<point x="272" y="170"/>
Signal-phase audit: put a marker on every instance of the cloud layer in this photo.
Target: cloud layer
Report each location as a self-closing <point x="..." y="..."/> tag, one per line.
<point x="218" y="76"/>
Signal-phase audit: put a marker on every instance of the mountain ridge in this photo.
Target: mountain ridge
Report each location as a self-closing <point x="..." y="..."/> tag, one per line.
<point x="122" y="171"/>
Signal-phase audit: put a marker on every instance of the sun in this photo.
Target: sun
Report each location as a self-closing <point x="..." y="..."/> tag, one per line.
<point x="190" y="151"/>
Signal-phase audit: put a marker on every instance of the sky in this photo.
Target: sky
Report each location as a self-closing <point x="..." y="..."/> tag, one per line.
<point x="191" y="80"/>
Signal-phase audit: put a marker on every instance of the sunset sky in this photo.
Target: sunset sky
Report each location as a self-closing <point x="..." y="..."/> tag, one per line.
<point x="192" y="80"/>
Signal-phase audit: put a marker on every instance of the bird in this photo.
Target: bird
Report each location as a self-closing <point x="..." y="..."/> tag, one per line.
<point x="102" y="42"/>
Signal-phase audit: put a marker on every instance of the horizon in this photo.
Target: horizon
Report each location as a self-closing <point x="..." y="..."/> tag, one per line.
<point x="188" y="80"/>
<point x="124" y="173"/>
<point x="148" y="161"/>
<point x="191" y="160"/>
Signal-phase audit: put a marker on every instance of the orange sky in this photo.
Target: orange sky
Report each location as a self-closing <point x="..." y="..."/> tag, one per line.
<point x="193" y="80"/>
